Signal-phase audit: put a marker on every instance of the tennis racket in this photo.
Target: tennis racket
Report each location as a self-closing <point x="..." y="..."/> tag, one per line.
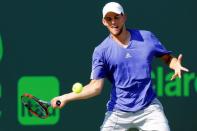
<point x="36" y="106"/>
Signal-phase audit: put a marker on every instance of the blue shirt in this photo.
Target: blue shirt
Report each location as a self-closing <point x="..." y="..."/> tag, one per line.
<point x="128" y="69"/>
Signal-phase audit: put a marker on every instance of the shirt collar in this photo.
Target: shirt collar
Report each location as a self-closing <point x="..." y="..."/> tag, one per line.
<point x="136" y="35"/>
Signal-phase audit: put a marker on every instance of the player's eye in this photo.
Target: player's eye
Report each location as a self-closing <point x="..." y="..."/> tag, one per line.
<point x="117" y="17"/>
<point x="108" y="19"/>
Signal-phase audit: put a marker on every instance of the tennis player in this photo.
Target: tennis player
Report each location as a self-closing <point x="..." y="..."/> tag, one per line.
<point x="124" y="58"/>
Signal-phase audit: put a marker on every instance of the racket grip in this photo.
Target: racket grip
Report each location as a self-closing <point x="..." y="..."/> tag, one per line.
<point x="58" y="102"/>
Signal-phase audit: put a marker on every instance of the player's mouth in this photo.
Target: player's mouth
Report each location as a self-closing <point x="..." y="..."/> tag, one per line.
<point x="116" y="28"/>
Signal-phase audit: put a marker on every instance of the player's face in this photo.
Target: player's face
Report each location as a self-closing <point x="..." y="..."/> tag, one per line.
<point x="115" y="23"/>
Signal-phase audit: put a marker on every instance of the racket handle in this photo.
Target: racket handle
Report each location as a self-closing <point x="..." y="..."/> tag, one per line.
<point x="58" y="102"/>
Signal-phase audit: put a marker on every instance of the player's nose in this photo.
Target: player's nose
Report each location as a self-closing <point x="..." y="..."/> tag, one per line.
<point x="113" y="21"/>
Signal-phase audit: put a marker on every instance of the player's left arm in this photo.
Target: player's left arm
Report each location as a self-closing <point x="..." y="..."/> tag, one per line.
<point x="175" y="64"/>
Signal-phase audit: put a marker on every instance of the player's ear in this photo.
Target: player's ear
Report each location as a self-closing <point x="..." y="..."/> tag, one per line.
<point x="104" y="22"/>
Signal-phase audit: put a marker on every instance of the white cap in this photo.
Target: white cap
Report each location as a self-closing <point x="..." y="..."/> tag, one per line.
<point x="112" y="7"/>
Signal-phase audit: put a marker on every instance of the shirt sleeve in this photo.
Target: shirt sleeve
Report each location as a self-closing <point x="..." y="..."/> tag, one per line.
<point x="159" y="49"/>
<point x="98" y="66"/>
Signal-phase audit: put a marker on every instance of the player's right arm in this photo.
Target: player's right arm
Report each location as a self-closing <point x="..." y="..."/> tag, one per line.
<point x="92" y="89"/>
<point x="95" y="86"/>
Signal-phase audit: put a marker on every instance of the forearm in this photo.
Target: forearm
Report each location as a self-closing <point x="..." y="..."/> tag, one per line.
<point x="90" y="90"/>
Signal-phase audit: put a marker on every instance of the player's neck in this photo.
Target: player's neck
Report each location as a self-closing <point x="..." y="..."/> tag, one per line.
<point x="122" y="38"/>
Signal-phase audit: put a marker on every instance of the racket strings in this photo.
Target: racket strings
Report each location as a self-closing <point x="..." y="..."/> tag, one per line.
<point x="35" y="107"/>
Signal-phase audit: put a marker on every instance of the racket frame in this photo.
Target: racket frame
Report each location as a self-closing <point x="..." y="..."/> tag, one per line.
<point x="43" y="104"/>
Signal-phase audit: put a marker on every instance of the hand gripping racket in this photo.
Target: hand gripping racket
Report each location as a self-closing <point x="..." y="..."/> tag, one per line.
<point x="36" y="106"/>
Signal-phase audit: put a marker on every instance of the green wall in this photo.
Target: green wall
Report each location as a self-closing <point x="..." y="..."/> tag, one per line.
<point x="57" y="38"/>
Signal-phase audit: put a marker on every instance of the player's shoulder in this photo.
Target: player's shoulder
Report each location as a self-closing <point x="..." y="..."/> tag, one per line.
<point x="145" y="33"/>
<point x="104" y="45"/>
<point x="140" y="35"/>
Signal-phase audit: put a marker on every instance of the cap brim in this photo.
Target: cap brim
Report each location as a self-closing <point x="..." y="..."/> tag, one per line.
<point x="117" y="12"/>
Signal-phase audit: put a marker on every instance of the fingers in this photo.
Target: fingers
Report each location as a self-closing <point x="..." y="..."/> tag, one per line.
<point x="176" y="74"/>
<point x="184" y="69"/>
<point x="179" y="74"/>
<point x="178" y="68"/>
<point x="173" y="77"/>
<point x="180" y="58"/>
<point x="61" y="105"/>
<point x="53" y="103"/>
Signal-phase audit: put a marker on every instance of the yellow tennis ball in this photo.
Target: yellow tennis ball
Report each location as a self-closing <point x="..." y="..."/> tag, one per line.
<point x="77" y="87"/>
